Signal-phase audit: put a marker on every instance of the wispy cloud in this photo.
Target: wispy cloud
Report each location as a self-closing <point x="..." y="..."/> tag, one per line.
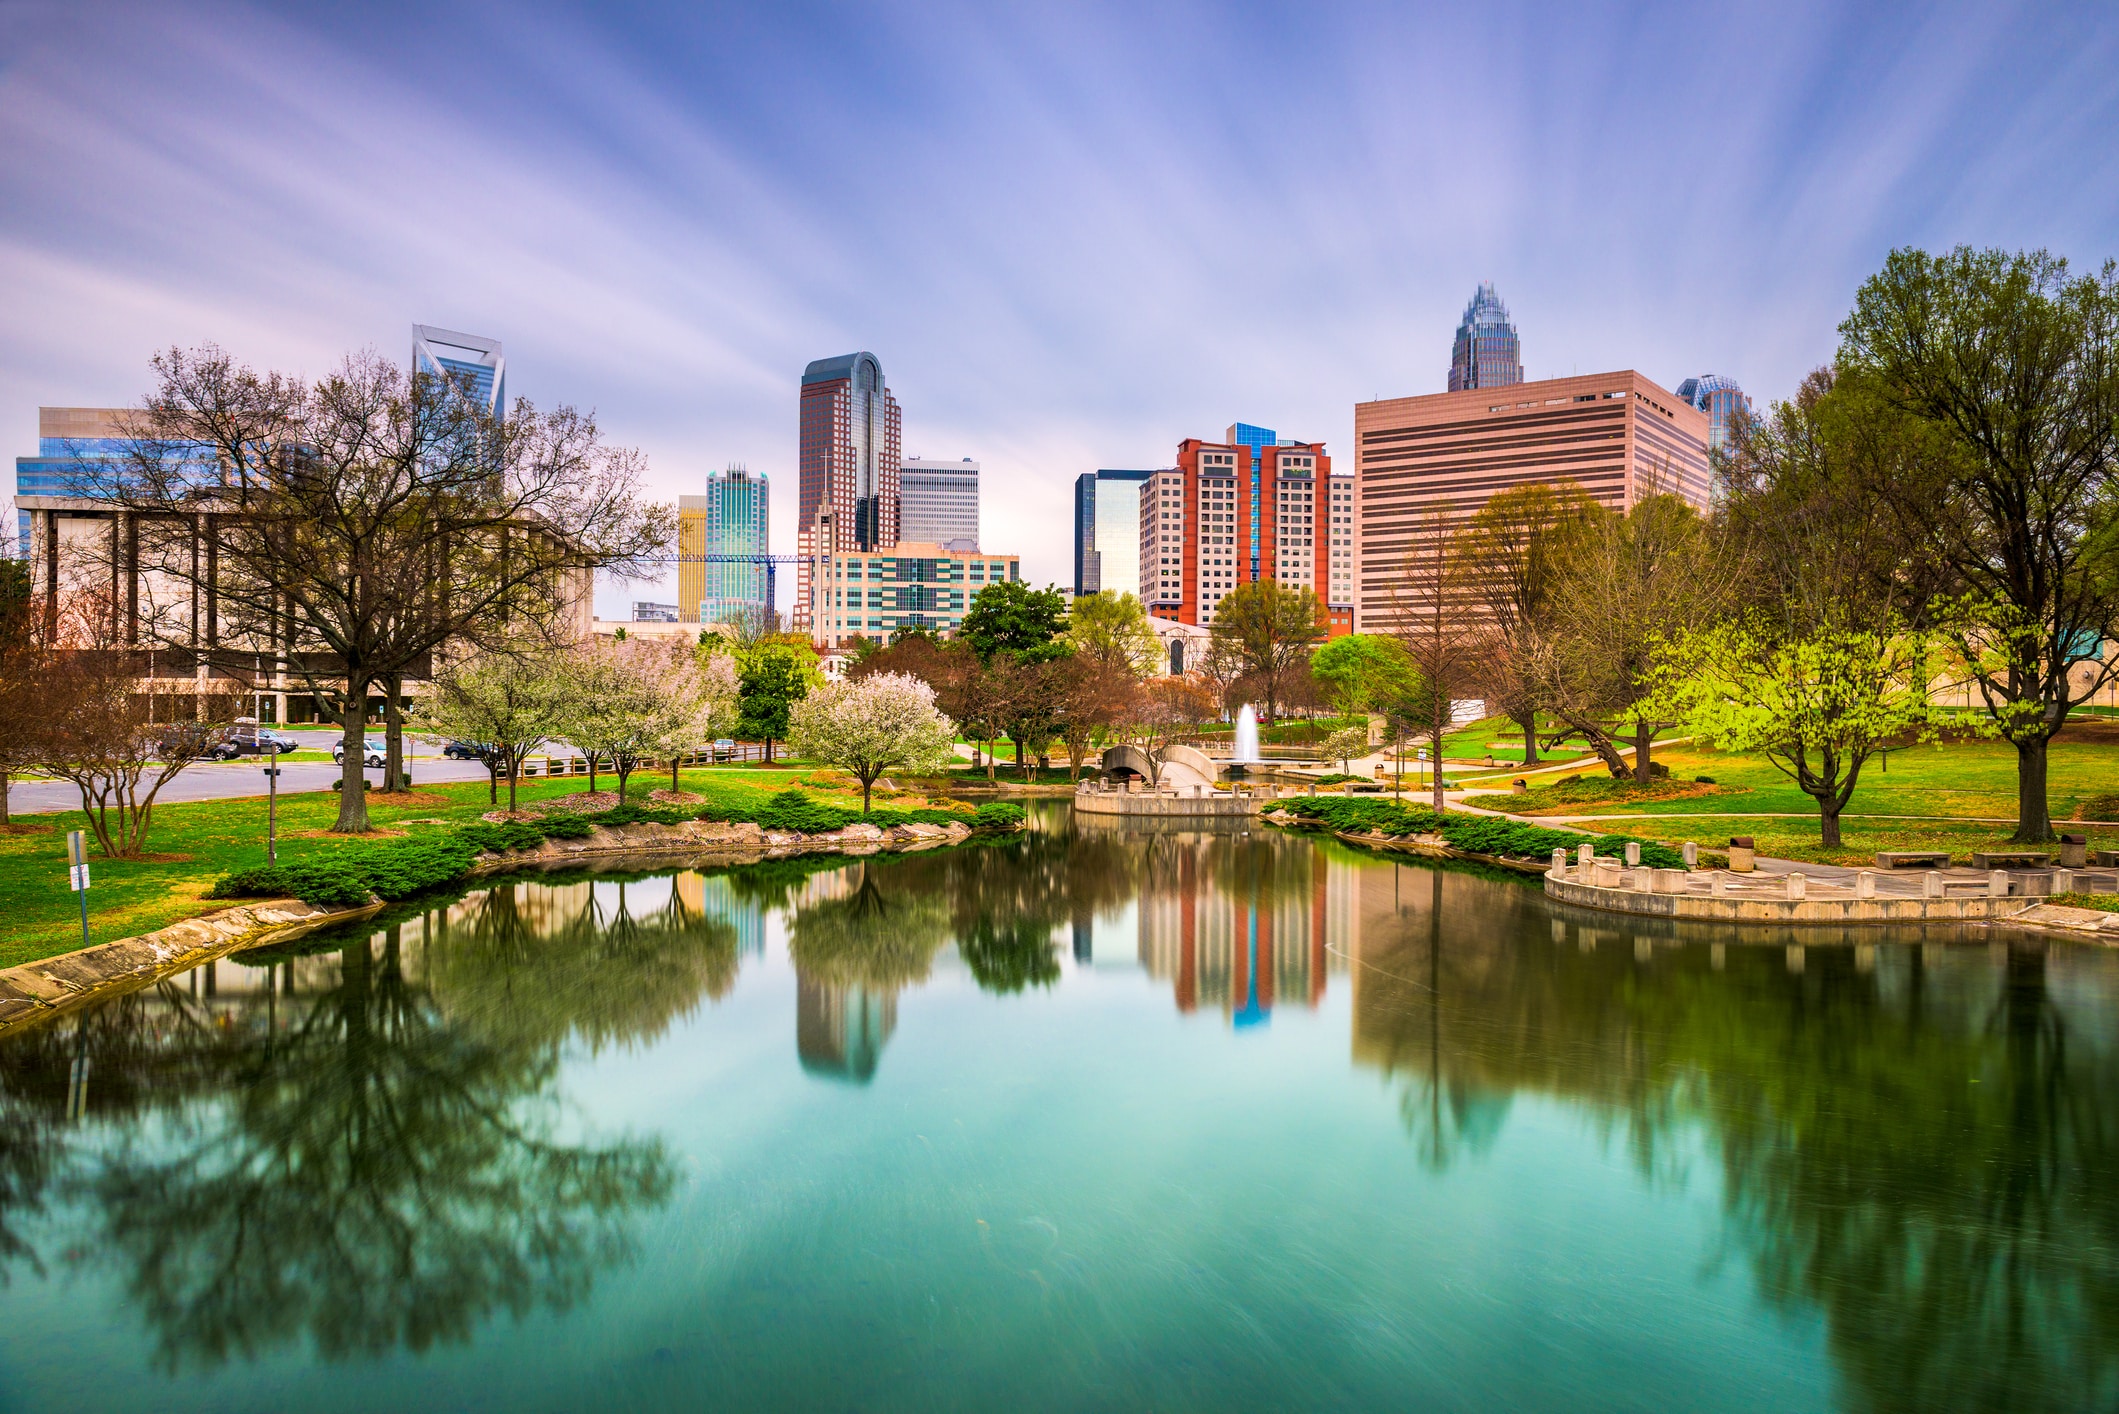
<point x="1074" y="234"/>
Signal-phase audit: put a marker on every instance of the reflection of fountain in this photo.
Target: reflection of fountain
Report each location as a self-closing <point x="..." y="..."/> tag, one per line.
<point x="1246" y="751"/>
<point x="1251" y="1014"/>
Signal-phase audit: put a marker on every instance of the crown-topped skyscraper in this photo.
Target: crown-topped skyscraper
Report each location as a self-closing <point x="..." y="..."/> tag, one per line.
<point x="1487" y="353"/>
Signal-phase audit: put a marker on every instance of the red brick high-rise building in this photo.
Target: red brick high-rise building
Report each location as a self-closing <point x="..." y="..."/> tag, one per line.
<point x="849" y="460"/>
<point x="1246" y="509"/>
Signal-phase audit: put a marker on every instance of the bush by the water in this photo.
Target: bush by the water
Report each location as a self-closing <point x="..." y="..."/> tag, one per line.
<point x="1474" y="834"/>
<point x="345" y="877"/>
<point x="399" y="868"/>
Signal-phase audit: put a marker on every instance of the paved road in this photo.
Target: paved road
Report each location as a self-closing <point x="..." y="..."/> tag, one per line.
<point x="224" y="780"/>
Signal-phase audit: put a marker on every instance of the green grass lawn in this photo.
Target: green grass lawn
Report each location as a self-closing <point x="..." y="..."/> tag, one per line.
<point x="193" y="844"/>
<point x="1959" y="781"/>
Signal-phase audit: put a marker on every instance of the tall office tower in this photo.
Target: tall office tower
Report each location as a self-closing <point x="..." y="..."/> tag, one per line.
<point x="938" y="503"/>
<point x="470" y="361"/>
<point x="1442" y="456"/>
<point x="1250" y="508"/>
<point x="1719" y="398"/>
<point x="849" y="463"/>
<point x="722" y="542"/>
<point x="1107" y="531"/>
<point x="1487" y="354"/>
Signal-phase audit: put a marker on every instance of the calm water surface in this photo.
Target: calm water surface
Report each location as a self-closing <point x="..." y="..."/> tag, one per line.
<point x="1088" y="1120"/>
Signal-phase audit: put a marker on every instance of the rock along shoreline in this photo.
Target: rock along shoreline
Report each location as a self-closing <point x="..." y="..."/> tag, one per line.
<point x="36" y="992"/>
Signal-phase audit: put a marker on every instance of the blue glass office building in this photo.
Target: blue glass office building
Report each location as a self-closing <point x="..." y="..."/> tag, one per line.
<point x="723" y="573"/>
<point x="472" y="362"/>
<point x="1720" y="398"/>
<point x="1107" y="531"/>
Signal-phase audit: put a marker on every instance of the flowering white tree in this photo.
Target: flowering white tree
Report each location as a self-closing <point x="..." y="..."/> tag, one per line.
<point x="871" y="725"/>
<point x="509" y="700"/>
<point x="637" y="698"/>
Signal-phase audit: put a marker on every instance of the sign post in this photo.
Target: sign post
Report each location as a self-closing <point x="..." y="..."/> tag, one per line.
<point x="77" y="876"/>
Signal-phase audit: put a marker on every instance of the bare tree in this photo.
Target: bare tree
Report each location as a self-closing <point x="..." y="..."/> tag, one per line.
<point x="98" y="730"/>
<point x="1440" y="627"/>
<point x="1509" y="551"/>
<point x="1623" y="587"/>
<point x="352" y="527"/>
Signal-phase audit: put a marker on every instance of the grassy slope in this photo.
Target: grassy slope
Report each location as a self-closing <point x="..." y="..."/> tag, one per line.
<point x="195" y="843"/>
<point x="1956" y="780"/>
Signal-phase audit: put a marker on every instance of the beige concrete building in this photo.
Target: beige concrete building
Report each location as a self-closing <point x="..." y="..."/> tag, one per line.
<point x="1618" y="436"/>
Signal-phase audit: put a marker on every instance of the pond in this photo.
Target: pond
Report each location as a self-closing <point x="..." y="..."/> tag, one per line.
<point x="1094" y="1118"/>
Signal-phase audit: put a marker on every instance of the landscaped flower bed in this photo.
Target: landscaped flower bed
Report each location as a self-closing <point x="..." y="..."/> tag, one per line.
<point x="1472" y="834"/>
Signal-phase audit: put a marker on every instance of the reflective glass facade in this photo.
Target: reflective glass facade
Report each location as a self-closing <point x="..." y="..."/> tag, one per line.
<point x="1107" y="531"/>
<point x="723" y="541"/>
<point x="1487" y="353"/>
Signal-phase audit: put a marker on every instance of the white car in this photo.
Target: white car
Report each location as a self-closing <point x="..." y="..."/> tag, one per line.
<point x="371" y="751"/>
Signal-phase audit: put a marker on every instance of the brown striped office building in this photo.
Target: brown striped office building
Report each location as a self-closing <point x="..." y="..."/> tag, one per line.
<point x="1618" y="436"/>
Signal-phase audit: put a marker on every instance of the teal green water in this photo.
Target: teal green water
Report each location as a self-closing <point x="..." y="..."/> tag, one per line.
<point x="1088" y="1120"/>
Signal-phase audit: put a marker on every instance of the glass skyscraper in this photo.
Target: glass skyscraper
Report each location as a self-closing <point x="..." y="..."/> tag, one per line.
<point x="722" y="572"/>
<point x="1107" y="530"/>
<point x="1719" y="398"/>
<point x="471" y="361"/>
<point x="849" y="463"/>
<point x="1487" y="354"/>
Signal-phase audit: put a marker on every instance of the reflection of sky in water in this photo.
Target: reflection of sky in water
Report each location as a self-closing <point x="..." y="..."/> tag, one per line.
<point x="994" y="1128"/>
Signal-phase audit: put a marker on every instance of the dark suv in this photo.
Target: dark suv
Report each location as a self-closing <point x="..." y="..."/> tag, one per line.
<point x="465" y="750"/>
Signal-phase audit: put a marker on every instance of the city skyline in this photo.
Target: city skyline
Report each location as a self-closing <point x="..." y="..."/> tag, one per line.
<point x="669" y="222"/>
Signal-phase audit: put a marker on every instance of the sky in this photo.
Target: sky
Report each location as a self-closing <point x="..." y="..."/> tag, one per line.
<point x="1073" y="234"/>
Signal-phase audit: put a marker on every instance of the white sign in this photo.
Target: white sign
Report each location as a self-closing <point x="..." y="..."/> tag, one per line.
<point x="77" y="877"/>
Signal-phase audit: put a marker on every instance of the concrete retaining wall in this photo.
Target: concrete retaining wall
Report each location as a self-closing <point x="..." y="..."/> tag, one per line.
<point x="1175" y="806"/>
<point x="1836" y="911"/>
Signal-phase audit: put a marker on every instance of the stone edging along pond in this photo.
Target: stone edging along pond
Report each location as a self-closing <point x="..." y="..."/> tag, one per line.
<point x="35" y="992"/>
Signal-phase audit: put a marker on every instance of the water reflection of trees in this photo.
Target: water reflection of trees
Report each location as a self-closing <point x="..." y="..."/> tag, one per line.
<point x="1923" y="1146"/>
<point x="377" y="1159"/>
<point x="534" y="962"/>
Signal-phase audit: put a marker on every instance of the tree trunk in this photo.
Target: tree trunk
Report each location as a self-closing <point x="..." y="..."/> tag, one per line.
<point x="2034" y="822"/>
<point x="492" y="780"/>
<point x="4" y="775"/>
<point x="393" y="734"/>
<point x="622" y="766"/>
<point x="768" y="751"/>
<point x="1643" y="738"/>
<point x="673" y="773"/>
<point x="514" y="774"/>
<point x="1828" y="822"/>
<point x="592" y="771"/>
<point x="866" y="782"/>
<point x="352" y="775"/>
<point x="1529" y="723"/>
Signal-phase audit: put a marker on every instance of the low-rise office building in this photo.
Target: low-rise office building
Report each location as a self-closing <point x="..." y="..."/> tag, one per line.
<point x="872" y="594"/>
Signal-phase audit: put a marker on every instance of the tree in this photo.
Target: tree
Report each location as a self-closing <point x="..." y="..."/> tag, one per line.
<point x="1112" y="630"/>
<point x="1622" y="588"/>
<point x="353" y="527"/>
<point x="1089" y="695"/>
<point x="1439" y="628"/>
<point x="870" y="725"/>
<point x="628" y="700"/>
<point x="1269" y="630"/>
<point x="770" y="679"/>
<point x="1014" y="620"/>
<point x="2014" y="365"/>
<point x="705" y="688"/>
<point x="99" y="731"/>
<point x="510" y="700"/>
<point x="1510" y="551"/>
<point x="1825" y="662"/>
<point x="1362" y="672"/>
<point x="1345" y="744"/>
<point x="22" y="676"/>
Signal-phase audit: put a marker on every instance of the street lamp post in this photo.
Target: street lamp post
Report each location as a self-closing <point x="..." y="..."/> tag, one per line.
<point x="272" y="810"/>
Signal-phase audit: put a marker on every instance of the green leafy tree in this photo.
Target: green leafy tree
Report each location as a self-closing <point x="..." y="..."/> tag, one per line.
<point x="1362" y="672"/>
<point x="1013" y="620"/>
<point x="1112" y="630"/>
<point x="1269" y="630"/>
<point x="770" y="679"/>
<point x="2014" y="363"/>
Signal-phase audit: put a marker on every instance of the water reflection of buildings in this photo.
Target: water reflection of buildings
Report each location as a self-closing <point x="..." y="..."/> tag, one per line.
<point x="840" y="1031"/>
<point x="1245" y="924"/>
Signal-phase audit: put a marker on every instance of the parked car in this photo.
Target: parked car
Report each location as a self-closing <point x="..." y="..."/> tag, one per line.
<point x="465" y="750"/>
<point x="371" y="751"/>
<point x="724" y="750"/>
<point x="247" y="738"/>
